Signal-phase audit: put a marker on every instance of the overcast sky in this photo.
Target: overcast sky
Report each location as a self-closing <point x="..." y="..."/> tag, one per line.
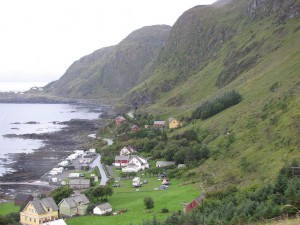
<point x="40" y="39"/>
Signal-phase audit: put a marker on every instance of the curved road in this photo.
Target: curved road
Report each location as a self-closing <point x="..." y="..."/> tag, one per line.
<point x="97" y="162"/>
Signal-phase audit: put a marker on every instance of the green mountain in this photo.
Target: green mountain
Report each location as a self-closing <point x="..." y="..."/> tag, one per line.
<point x="251" y="47"/>
<point x="113" y="70"/>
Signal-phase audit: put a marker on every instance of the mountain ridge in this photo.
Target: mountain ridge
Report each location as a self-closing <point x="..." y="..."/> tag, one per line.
<point x="111" y="70"/>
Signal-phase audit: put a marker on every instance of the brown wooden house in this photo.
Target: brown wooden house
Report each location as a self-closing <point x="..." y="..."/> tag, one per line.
<point x="22" y="198"/>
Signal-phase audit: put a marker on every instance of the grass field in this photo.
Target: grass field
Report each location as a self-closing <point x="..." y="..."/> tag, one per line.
<point x="126" y="197"/>
<point x="6" y="208"/>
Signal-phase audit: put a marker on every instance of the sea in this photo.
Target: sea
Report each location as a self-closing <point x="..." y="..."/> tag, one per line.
<point x="33" y="118"/>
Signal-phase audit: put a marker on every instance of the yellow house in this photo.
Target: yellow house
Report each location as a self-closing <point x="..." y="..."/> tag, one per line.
<point x="173" y="123"/>
<point x="39" y="211"/>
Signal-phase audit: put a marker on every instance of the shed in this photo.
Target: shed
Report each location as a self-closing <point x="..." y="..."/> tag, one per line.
<point x="22" y="198"/>
<point x="194" y="203"/>
<point x="164" y="163"/>
<point x="102" y="209"/>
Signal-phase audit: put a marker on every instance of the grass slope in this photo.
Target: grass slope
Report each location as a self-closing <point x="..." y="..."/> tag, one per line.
<point x="125" y="197"/>
<point x="265" y="126"/>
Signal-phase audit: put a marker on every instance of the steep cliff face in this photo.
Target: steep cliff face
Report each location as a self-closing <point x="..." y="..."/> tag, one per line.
<point x="112" y="70"/>
<point x="235" y="35"/>
<point x="284" y="9"/>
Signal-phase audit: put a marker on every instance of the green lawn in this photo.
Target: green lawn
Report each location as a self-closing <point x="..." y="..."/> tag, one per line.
<point x="6" y="208"/>
<point x="126" y="197"/>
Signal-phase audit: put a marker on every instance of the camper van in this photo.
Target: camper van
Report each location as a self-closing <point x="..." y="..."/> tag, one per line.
<point x="136" y="182"/>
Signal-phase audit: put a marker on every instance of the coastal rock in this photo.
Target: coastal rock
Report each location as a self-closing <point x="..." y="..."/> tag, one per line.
<point x="32" y="122"/>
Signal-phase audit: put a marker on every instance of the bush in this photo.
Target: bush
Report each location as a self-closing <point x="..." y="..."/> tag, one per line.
<point x="164" y="210"/>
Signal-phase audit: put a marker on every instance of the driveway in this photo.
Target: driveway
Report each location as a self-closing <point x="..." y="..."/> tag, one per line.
<point x="97" y="162"/>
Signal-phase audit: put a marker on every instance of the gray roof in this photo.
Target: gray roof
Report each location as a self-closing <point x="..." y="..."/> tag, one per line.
<point x="71" y="202"/>
<point x="200" y="198"/>
<point x="165" y="163"/>
<point x="104" y="206"/>
<point x="159" y="122"/>
<point x="81" y="199"/>
<point x="78" y="199"/>
<point x="22" y="196"/>
<point x="40" y="206"/>
<point x="78" y="181"/>
<point x="122" y="157"/>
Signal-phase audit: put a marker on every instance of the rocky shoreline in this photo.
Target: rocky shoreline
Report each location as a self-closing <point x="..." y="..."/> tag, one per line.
<point x="58" y="145"/>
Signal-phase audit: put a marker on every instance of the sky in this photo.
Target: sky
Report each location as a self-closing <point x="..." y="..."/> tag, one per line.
<point x="40" y="39"/>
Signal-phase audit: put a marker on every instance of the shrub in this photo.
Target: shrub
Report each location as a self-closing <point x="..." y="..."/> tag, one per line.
<point x="164" y="210"/>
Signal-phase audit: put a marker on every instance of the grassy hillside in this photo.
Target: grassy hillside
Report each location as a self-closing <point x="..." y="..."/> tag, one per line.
<point x="253" y="49"/>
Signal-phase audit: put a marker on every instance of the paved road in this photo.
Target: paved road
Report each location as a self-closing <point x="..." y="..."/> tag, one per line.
<point x="97" y="162"/>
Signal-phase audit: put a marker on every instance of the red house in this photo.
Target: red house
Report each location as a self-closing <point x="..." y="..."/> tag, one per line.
<point x="119" y="120"/>
<point x="159" y="124"/>
<point x="122" y="160"/>
<point x="193" y="204"/>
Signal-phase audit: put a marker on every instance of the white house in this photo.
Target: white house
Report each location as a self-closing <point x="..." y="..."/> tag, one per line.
<point x="135" y="164"/>
<point x="127" y="150"/>
<point x="102" y="209"/>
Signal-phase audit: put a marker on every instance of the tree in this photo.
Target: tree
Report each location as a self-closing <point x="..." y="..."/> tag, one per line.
<point x="149" y="203"/>
<point x="60" y="193"/>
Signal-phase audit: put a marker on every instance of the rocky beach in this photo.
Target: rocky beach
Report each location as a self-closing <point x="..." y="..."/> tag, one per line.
<point x="75" y="134"/>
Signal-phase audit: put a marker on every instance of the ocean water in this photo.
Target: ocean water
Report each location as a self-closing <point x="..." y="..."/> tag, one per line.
<point x="33" y="118"/>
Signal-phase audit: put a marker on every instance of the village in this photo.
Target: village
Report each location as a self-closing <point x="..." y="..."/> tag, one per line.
<point x="83" y="174"/>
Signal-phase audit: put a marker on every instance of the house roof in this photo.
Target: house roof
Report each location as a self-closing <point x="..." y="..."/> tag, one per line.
<point x="159" y="122"/>
<point x="104" y="206"/>
<point x="81" y="199"/>
<point x="79" y="180"/>
<point x="165" y="163"/>
<point x="140" y="159"/>
<point x="171" y="118"/>
<point x="200" y="198"/>
<point x="40" y="205"/>
<point x="74" y="201"/>
<point x="122" y="157"/>
<point x="134" y="126"/>
<point x="22" y="196"/>
<point x="120" y="117"/>
<point x="71" y="202"/>
<point x="129" y="148"/>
